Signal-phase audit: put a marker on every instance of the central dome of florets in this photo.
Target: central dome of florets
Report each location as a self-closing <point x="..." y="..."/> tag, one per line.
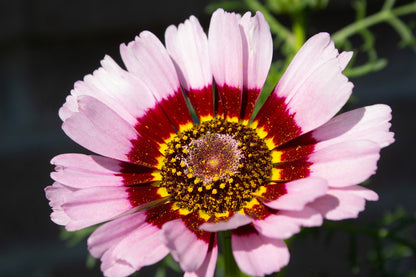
<point x="213" y="157"/>
<point x="216" y="166"/>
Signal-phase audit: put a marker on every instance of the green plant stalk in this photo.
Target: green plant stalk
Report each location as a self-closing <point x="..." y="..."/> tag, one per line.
<point x="231" y="268"/>
<point x="401" y="28"/>
<point x="275" y="26"/>
<point x="381" y="16"/>
<point x="388" y="4"/>
<point x="366" y="68"/>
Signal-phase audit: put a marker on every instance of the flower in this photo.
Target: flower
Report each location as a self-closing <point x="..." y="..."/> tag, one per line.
<point x="165" y="184"/>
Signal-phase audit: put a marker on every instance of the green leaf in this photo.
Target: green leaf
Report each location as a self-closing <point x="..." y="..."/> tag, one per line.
<point x="171" y="263"/>
<point x="73" y="238"/>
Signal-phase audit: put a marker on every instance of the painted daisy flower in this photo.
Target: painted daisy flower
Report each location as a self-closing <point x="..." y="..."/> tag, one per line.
<point x="165" y="182"/>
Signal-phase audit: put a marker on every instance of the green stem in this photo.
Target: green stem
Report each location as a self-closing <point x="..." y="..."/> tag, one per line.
<point x="275" y="26"/>
<point x="388" y="4"/>
<point x="383" y="15"/>
<point x="365" y="69"/>
<point x="231" y="268"/>
<point x="404" y="31"/>
<point x="404" y="10"/>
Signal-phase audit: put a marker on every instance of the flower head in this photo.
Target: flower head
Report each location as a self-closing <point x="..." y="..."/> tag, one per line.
<point x="164" y="182"/>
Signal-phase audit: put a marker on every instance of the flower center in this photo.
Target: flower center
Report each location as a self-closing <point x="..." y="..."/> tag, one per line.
<point x="215" y="167"/>
<point x="213" y="156"/>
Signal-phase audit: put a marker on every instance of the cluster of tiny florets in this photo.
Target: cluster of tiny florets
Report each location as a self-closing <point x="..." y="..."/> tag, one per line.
<point x="216" y="166"/>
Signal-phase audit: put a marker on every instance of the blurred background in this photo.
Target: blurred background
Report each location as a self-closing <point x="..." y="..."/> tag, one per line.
<point x="47" y="45"/>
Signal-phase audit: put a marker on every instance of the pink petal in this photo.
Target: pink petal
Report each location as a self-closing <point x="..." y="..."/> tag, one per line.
<point x="299" y="193"/>
<point x="225" y="49"/>
<point x="125" y="94"/>
<point x="344" y="58"/>
<point x="345" y="164"/>
<point x="141" y="248"/>
<point x="57" y="195"/>
<point x="69" y="107"/>
<point x="87" y="163"/>
<point x="207" y="269"/>
<point x="313" y="85"/>
<point x="99" y="129"/>
<point x="368" y="123"/>
<point x="127" y="244"/>
<point x="132" y="97"/>
<point x="286" y="223"/>
<point x="149" y="121"/>
<point x="188" y="47"/>
<point x="111" y="233"/>
<point x="235" y="221"/>
<point x="186" y="248"/>
<point x="257" y="49"/>
<point x="94" y="205"/>
<point x="148" y="59"/>
<point x="316" y="51"/>
<point x="132" y="92"/>
<point x="343" y="203"/>
<point x="257" y="56"/>
<point x="83" y="171"/>
<point x="111" y="268"/>
<point x="226" y="59"/>
<point x="258" y="255"/>
<point x="363" y="192"/>
<point x="320" y="96"/>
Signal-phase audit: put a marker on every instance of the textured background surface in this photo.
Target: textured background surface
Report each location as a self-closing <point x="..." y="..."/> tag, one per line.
<point x="46" y="45"/>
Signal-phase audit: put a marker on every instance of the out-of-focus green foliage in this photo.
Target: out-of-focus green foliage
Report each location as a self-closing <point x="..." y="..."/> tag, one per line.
<point x="288" y="39"/>
<point x="294" y="6"/>
<point x="392" y="241"/>
<point x="73" y="238"/>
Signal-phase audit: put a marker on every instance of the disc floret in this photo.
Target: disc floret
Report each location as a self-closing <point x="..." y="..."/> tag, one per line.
<point x="215" y="167"/>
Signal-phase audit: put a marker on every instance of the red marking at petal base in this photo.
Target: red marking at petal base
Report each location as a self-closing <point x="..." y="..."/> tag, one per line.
<point x="161" y="214"/>
<point x="274" y="191"/>
<point x="192" y="221"/>
<point x="202" y="101"/>
<point x="144" y="153"/>
<point x="275" y="119"/>
<point x="136" y="178"/>
<point x="258" y="211"/>
<point x="213" y="241"/>
<point x="130" y="168"/>
<point x="298" y="148"/>
<point x="249" y="101"/>
<point x="265" y="115"/>
<point x="143" y="194"/>
<point x="176" y="109"/>
<point x="291" y="171"/>
<point x="303" y="140"/>
<point x="135" y="174"/>
<point x="219" y="107"/>
<point x="231" y="100"/>
<point x="245" y="230"/>
<point x="154" y="125"/>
